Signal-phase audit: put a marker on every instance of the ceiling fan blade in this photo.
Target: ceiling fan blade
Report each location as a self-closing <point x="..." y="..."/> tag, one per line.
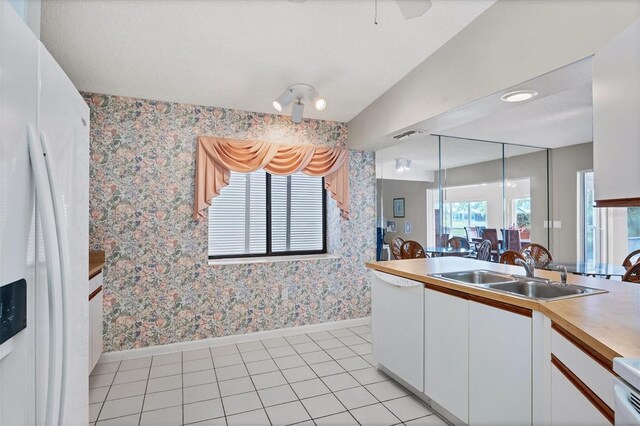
<point x="413" y="8"/>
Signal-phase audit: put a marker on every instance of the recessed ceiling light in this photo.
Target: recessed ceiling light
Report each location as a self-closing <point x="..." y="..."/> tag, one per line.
<point x="518" y="95"/>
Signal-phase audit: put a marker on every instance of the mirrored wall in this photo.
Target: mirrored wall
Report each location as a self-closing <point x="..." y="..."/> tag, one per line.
<point x="443" y="191"/>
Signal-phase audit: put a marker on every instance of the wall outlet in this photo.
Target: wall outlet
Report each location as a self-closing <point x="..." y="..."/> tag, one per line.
<point x="285" y="293"/>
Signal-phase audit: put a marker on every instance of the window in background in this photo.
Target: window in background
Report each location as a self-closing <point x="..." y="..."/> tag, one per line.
<point x="633" y="228"/>
<point x="258" y="214"/>
<point x="521" y="212"/>
<point x="461" y="214"/>
<point x="589" y="218"/>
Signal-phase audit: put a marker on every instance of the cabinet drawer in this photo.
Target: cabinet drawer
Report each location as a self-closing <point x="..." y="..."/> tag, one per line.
<point x="569" y="405"/>
<point x="587" y="367"/>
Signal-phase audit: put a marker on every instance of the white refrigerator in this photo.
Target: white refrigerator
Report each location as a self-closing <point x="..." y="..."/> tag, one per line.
<point x="44" y="213"/>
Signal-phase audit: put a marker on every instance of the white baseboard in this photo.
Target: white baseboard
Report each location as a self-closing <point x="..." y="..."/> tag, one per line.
<point x="228" y="340"/>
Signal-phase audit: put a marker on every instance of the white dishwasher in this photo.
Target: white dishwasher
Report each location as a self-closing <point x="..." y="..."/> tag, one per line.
<point x="397" y="319"/>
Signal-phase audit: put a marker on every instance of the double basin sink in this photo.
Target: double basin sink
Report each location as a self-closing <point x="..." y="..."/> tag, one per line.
<point x="527" y="287"/>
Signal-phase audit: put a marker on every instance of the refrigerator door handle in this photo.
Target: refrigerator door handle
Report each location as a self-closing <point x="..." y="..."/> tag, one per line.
<point x="63" y="250"/>
<point x="54" y="278"/>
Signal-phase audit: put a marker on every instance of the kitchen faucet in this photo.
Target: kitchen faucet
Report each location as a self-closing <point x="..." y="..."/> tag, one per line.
<point x="563" y="274"/>
<point x="528" y="263"/>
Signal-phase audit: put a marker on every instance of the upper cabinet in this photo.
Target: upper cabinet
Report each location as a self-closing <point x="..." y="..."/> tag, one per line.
<point x="616" y="120"/>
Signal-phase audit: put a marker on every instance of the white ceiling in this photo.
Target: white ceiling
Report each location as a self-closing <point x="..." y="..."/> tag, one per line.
<point x="554" y="121"/>
<point x="560" y="115"/>
<point x="242" y="54"/>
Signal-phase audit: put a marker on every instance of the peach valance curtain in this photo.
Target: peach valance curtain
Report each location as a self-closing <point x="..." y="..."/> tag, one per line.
<point x="216" y="157"/>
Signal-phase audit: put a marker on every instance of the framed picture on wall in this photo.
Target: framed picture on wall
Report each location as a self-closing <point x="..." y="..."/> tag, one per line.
<point x="398" y="207"/>
<point x="391" y="226"/>
<point x="407" y="227"/>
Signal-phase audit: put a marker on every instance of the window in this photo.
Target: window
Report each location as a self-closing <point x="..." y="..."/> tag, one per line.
<point x="463" y="214"/>
<point x="259" y="214"/>
<point x="633" y="228"/>
<point x="522" y="212"/>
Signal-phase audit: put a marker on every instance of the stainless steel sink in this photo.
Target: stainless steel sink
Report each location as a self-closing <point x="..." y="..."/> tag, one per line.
<point x="530" y="288"/>
<point x="476" y="277"/>
<point x="542" y="289"/>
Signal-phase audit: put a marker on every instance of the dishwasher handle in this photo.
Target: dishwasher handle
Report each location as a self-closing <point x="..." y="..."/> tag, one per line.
<point x="397" y="281"/>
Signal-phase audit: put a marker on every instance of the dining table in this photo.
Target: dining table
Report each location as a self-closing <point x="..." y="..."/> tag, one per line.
<point x="589" y="269"/>
<point x="450" y="251"/>
<point x="523" y="241"/>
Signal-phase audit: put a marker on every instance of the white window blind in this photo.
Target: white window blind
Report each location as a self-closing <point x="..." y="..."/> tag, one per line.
<point x="239" y="219"/>
<point x="238" y="216"/>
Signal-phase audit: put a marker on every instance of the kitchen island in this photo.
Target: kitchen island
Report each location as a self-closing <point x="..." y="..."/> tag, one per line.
<point x="493" y="357"/>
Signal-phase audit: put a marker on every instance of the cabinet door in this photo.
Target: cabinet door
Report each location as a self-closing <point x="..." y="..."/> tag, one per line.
<point x="447" y="352"/>
<point x="569" y="405"/>
<point x="616" y="108"/>
<point x="500" y="368"/>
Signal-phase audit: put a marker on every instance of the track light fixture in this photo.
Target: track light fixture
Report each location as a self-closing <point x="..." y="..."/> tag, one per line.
<point x="299" y="92"/>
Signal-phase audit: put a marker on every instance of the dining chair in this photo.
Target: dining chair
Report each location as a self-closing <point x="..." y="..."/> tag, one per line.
<point x="484" y="251"/>
<point x="491" y="235"/>
<point x="509" y="257"/>
<point x="471" y="232"/>
<point x="413" y="250"/>
<point x="633" y="274"/>
<point x="441" y="240"/>
<point x="480" y="230"/>
<point x="540" y="254"/>
<point x="458" y="243"/>
<point x="631" y="259"/>
<point x="396" y="247"/>
<point x="511" y="239"/>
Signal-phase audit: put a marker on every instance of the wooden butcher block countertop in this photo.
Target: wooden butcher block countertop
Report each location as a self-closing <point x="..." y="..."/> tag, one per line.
<point x="608" y="323"/>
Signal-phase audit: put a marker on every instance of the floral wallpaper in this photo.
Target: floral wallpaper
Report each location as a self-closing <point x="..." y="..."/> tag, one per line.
<point x="159" y="287"/>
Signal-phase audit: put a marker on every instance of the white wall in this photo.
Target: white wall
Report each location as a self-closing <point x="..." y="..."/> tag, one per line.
<point x="513" y="41"/>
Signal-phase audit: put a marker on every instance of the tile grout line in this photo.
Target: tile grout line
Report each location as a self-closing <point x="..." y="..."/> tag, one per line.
<point x="105" y="397"/>
<point x="182" y="382"/>
<point x="144" y="396"/>
<point x="215" y="373"/>
<point x="323" y="382"/>
<point x="253" y="383"/>
<point x="350" y="375"/>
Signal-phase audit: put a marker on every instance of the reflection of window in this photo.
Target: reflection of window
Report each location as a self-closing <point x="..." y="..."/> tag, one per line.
<point x="633" y="228"/>
<point x="258" y="214"/>
<point x="589" y="219"/>
<point x="522" y="212"/>
<point x="463" y="214"/>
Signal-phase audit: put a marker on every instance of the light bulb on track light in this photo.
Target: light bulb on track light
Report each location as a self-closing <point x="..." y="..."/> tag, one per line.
<point x="283" y="100"/>
<point x="318" y="101"/>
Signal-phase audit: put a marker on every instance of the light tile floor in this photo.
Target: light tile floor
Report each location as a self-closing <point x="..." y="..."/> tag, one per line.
<point x="322" y="378"/>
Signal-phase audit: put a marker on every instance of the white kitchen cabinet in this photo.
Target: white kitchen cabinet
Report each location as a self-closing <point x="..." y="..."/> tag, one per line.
<point x="569" y="406"/>
<point x="447" y="352"/>
<point x="95" y="320"/>
<point x="500" y="365"/>
<point x="397" y="318"/>
<point x="616" y="127"/>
